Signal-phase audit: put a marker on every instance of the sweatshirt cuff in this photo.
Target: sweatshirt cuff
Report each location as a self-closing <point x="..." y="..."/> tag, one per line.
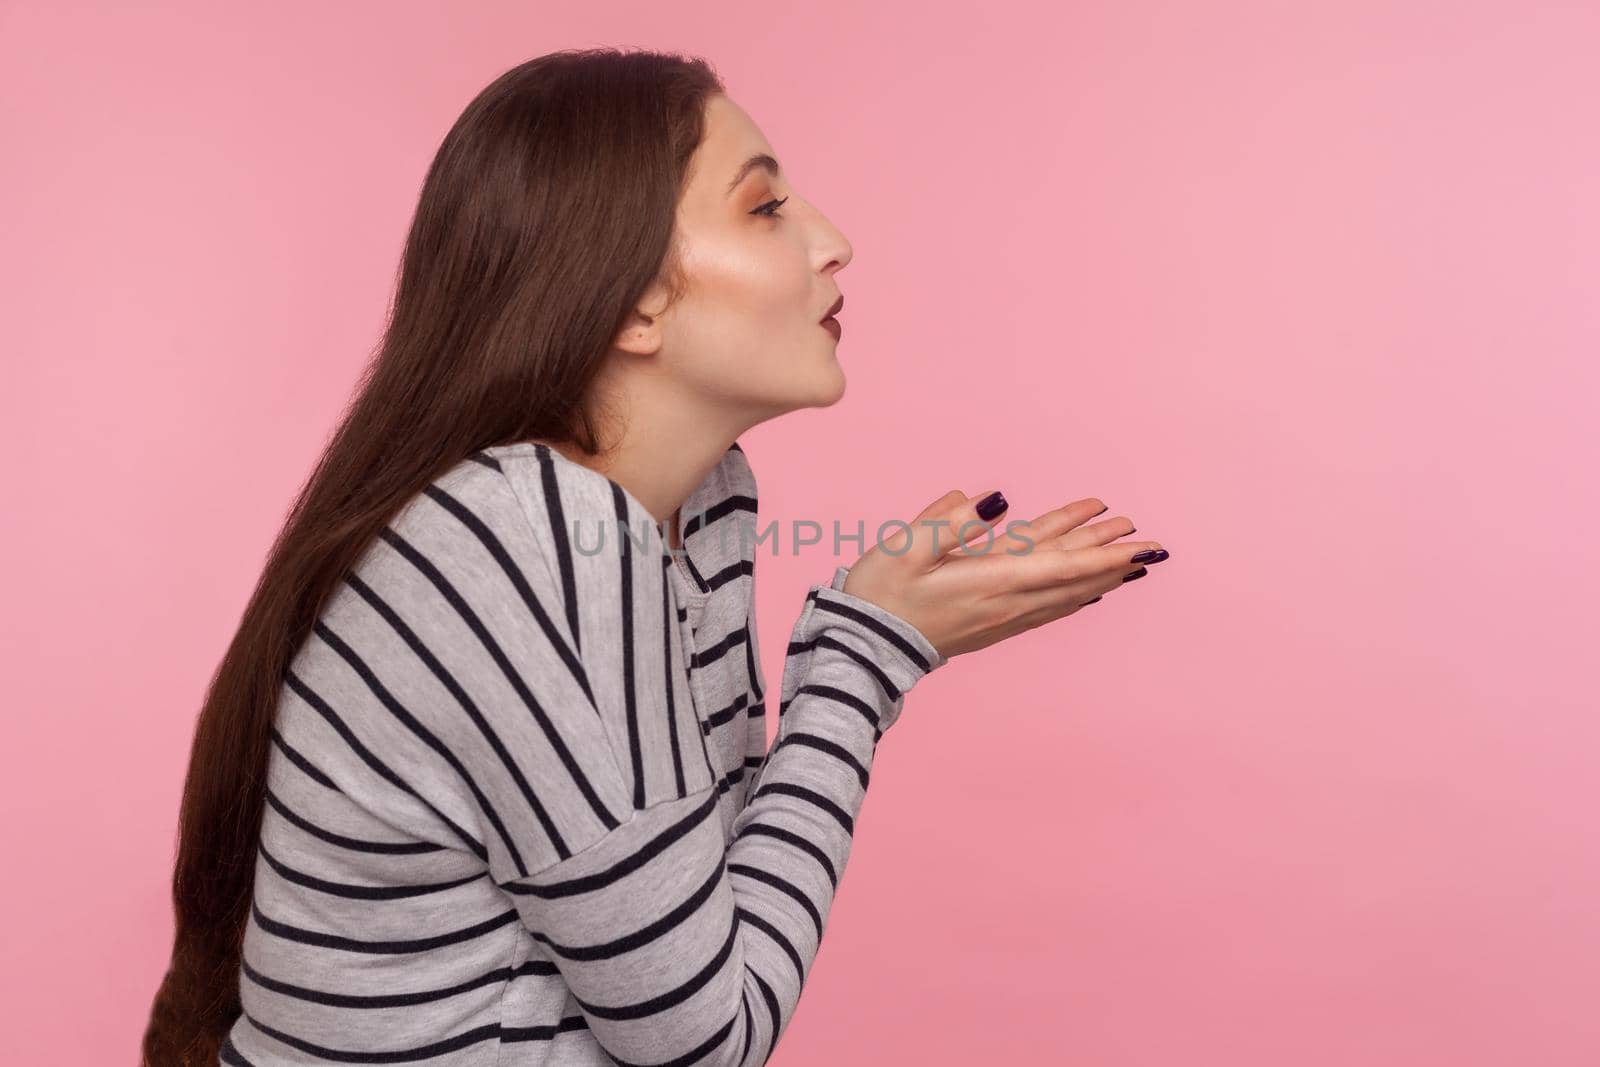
<point x="897" y="648"/>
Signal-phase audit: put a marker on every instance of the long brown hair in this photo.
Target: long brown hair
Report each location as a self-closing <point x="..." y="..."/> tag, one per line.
<point x="546" y="213"/>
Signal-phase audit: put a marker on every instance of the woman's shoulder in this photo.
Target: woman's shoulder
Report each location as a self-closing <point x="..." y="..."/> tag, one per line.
<point x="451" y="643"/>
<point x="527" y="519"/>
<point x="522" y="527"/>
<point x="483" y="537"/>
<point x="522" y="495"/>
<point x="554" y="489"/>
<point x="470" y="584"/>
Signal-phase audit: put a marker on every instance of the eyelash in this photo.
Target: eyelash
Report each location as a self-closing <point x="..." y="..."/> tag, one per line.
<point x="770" y="208"/>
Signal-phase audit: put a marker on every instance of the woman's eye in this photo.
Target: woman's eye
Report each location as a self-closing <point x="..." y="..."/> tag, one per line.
<point x="770" y="208"/>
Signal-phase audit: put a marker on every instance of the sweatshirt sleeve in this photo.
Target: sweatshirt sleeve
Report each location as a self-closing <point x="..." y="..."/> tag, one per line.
<point x="680" y="948"/>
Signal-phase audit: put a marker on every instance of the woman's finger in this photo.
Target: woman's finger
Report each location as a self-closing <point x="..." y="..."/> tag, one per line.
<point x="1036" y="607"/>
<point x="940" y="532"/>
<point x="1095" y="533"/>
<point x="1000" y="573"/>
<point x="981" y="520"/>
<point x="1047" y="530"/>
<point x="912" y="538"/>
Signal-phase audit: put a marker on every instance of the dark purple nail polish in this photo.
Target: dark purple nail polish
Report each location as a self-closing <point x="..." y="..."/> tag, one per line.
<point x="1140" y="573"/>
<point x="1149" y="555"/>
<point x="1096" y="600"/>
<point x="991" y="505"/>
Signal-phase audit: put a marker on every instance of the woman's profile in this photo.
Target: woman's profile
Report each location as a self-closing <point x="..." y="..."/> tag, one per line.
<point x="482" y="777"/>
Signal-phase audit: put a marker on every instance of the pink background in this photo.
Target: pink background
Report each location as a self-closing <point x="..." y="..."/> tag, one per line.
<point x="1308" y="291"/>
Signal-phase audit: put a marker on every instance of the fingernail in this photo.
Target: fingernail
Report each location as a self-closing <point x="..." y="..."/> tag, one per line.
<point x="1140" y="573"/>
<point x="1086" y="603"/>
<point x="991" y="505"/>
<point x="1149" y="555"/>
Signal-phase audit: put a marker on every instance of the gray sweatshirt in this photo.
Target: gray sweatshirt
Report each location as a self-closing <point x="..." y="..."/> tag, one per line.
<point x="520" y="806"/>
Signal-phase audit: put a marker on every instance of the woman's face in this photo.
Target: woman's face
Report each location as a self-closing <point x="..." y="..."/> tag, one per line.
<point x="746" y="337"/>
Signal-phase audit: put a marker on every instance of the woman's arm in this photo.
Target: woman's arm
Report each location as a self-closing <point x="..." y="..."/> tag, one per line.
<point x="675" y="946"/>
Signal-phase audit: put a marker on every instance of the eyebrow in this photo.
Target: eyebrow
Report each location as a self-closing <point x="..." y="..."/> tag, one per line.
<point x="760" y="161"/>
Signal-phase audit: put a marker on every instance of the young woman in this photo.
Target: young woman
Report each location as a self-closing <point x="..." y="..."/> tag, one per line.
<point x="482" y="778"/>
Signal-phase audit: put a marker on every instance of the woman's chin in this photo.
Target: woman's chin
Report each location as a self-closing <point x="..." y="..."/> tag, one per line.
<point x="831" y="387"/>
<point x="819" y="388"/>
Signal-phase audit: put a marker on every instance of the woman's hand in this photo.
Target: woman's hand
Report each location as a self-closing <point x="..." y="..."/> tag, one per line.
<point x="966" y="583"/>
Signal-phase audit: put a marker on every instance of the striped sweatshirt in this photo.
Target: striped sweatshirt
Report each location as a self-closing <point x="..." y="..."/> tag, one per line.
<point x="520" y="805"/>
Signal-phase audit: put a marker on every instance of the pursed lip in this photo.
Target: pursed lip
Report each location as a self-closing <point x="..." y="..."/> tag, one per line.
<point x="838" y="305"/>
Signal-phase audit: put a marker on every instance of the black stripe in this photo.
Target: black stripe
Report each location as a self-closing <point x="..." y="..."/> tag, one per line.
<point x="477" y="1035"/>
<point x="670" y="671"/>
<point x="722" y="716"/>
<point x="453" y="1043"/>
<point x="747" y="916"/>
<point x="752" y="669"/>
<point x="393" y="848"/>
<point x="399" y="711"/>
<point x="827" y="602"/>
<point x="688" y="567"/>
<point x="842" y="696"/>
<point x="822" y="744"/>
<point x="700" y="732"/>
<point x="362" y="892"/>
<point x="725" y="782"/>
<point x="798" y="654"/>
<point x="672" y="997"/>
<point x="824" y="641"/>
<point x="707" y="519"/>
<point x="623" y="867"/>
<point x="230" y="1054"/>
<point x="729" y="573"/>
<point x="772" y="1009"/>
<point x="698" y="528"/>
<point x="840" y="816"/>
<point x="571" y="1023"/>
<point x="797" y="841"/>
<point x="694" y="572"/>
<point x="749" y="1028"/>
<point x="486" y="459"/>
<point x="619" y="504"/>
<point x="558" y="532"/>
<point x="688" y="529"/>
<point x="694" y="1056"/>
<point x="784" y="886"/>
<point x="713" y="652"/>
<point x="395" y="1000"/>
<point x="300" y="761"/>
<point x="657" y="928"/>
<point x="310" y="697"/>
<point x="672" y="677"/>
<point x="378" y="948"/>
